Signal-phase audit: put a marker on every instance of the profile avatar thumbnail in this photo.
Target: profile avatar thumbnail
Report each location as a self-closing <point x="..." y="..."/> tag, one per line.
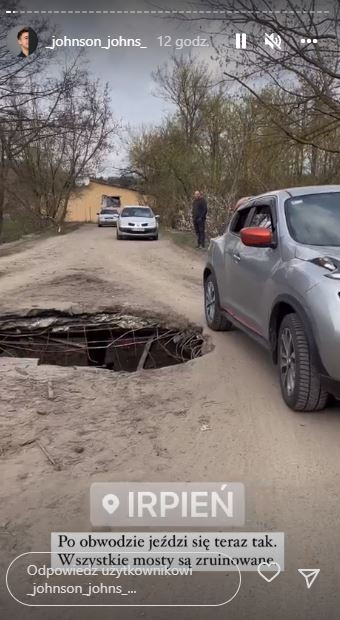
<point x="28" y="41"/>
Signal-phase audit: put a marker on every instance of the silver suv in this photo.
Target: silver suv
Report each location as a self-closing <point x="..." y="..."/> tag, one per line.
<point x="275" y="274"/>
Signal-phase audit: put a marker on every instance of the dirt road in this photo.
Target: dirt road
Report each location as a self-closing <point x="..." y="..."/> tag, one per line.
<point x="148" y="425"/>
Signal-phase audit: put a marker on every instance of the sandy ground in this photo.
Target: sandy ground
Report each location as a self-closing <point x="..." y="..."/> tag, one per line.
<point x="147" y="426"/>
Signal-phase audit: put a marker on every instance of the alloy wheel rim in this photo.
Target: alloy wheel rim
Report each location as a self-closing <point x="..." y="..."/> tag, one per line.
<point x="210" y="301"/>
<point x="287" y="361"/>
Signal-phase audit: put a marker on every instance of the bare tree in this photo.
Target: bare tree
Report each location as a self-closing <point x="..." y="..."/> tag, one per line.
<point x="56" y="125"/>
<point x="185" y="82"/>
<point x="70" y="131"/>
<point x="16" y="78"/>
<point x="308" y="76"/>
<point x="248" y="140"/>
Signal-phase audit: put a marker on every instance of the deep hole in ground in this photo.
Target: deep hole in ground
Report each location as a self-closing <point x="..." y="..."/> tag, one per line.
<point x="116" y="341"/>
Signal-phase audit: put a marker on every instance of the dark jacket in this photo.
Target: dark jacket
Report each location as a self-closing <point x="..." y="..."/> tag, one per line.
<point x="199" y="209"/>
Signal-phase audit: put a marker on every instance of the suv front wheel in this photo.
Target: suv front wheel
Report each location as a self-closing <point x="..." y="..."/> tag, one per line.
<point x="300" y="381"/>
<point x="214" y="317"/>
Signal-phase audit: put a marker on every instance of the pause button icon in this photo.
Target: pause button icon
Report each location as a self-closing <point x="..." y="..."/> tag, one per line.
<point x="241" y="40"/>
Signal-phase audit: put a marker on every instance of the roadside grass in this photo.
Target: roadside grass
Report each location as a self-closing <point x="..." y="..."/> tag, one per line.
<point x="13" y="230"/>
<point x="185" y="239"/>
<point x="16" y="234"/>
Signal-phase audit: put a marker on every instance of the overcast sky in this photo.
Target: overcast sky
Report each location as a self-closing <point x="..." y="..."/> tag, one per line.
<point x="127" y="69"/>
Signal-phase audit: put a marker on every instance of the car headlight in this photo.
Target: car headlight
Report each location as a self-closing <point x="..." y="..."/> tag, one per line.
<point x="330" y="264"/>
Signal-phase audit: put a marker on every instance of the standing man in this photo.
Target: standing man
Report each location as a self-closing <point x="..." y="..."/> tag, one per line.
<point x="199" y="215"/>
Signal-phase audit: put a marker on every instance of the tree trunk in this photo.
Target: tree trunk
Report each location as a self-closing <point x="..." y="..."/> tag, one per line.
<point x="60" y="219"/>
<point x="2" y="202"/>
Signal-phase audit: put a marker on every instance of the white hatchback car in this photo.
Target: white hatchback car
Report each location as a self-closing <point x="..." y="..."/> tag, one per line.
<point x="108" y="217"/>
<point x="137" y="221"/>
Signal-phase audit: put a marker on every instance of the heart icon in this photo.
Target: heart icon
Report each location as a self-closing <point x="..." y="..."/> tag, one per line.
<point x="274" y="567"/>
<point x="110" y="503"/>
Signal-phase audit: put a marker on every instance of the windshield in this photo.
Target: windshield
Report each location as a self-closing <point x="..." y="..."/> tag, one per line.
<point x="137" y="212"/>
<point x="314" y="219"/>
<point x="109" y="212"/>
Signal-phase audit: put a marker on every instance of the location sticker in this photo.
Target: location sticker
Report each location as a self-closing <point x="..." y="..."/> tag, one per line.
<point x="110" y="503"/>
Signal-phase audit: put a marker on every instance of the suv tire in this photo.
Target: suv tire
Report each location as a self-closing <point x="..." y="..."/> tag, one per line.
<point x="299" y="378"/>
<point x="214" y="317"/>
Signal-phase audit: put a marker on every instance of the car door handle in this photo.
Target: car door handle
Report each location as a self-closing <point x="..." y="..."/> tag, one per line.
<point x="236" y="257"/>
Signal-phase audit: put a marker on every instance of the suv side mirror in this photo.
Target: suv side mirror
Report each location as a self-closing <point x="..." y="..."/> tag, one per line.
<point x="256" y="237"/>
<point x="157" y="217"/>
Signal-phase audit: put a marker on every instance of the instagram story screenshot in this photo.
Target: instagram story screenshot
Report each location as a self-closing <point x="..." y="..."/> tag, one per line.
<point x="169" y="309"/>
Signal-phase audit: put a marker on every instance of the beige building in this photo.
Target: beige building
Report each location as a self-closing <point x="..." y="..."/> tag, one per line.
<point x="89" y="199"/>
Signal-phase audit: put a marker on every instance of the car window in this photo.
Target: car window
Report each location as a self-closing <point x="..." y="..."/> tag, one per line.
<point x="136" y="212"/>
<point x="314" y="219"/>
<point x="239" y="220"/>
<point x="109" y="212"/>
<point x="262" y="218"/>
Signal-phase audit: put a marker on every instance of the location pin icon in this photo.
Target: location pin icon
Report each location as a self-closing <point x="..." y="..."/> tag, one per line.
<point x="110" y="503"/>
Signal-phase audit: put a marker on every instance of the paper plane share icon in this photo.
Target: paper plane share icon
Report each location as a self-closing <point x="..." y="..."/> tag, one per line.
<point x="310" y="574"/>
